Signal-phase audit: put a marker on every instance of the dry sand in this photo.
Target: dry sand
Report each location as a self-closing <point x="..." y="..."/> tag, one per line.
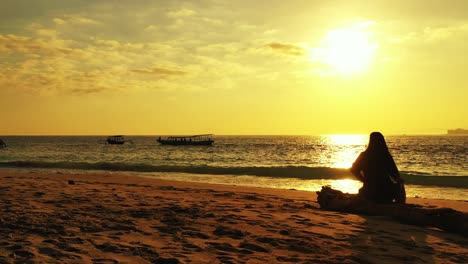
<point x="110" y="218"/>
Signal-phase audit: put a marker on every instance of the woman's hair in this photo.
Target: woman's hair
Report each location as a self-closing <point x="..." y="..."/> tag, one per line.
<point x="377" y="144"/>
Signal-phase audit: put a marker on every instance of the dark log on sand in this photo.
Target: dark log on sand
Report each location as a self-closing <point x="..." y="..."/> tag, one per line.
<point x="444" y="218"/>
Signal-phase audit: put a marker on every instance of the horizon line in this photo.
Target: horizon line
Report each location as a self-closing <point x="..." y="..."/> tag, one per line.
<point x="148" y="135"/>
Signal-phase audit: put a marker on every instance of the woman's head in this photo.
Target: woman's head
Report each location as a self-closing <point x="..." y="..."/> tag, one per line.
<point x="377" y="143"/>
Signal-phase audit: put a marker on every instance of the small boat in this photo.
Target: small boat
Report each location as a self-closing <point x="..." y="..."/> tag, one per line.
<point x="195" y="140"/>
<point x="116" y="140"/>
<point x="2" y="144"/>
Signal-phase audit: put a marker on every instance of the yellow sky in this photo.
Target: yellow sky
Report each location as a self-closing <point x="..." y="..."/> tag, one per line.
<point x="233" y="67"/>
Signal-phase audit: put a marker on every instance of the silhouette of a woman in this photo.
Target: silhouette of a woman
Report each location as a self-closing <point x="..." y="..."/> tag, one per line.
<point x="377" y="170"/>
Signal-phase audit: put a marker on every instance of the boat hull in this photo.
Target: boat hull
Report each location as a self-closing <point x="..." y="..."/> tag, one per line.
<point x="185" y="143"/>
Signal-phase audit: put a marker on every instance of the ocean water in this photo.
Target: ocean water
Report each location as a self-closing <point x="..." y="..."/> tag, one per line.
<point x="432" y="166"/>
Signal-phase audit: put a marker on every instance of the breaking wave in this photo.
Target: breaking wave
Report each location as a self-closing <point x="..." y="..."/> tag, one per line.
<point x="300" y="172"/>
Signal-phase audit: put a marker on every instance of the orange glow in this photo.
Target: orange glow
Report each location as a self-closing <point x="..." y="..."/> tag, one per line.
<point x="309" y="68"/>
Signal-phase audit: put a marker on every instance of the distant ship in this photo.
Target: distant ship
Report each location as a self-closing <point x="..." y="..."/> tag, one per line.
<point x="196" y="140"/>
<point x="116" y="140"/>
<point x="458" y="131"/>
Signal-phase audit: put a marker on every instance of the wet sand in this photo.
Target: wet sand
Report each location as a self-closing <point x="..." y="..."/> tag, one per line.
<point x="115" y="218"/>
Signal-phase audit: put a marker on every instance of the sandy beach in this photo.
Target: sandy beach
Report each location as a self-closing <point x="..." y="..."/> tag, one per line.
<point x="115" y="218"/>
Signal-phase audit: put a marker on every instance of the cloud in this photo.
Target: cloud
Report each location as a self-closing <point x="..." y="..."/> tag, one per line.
<point x="151" y="28"/>
<point x="30" y="47"/>
<point x="159" y="72"/>
<point x="181" y="13"/>
<point x="170" y="46"/>
<point x="212" y="21"/>
<point x="433" y="35"/>
<point x="436" y="34"/>
<point x="288" y="49"/>
<point x="50" y="33"/>
<point x="50" y="66"/>
<point x="59" y="21"/>
<point x="79" y="20"/>
<point x="92" y="90"/>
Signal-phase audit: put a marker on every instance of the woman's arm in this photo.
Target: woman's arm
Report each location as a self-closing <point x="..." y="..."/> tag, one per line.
<point x="357" y="168"/>
<point x="393" y="170"/>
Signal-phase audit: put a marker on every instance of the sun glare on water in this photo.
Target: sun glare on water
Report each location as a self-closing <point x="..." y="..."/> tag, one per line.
<point x="348" y="50"/>
<point x="347" y="185"/>
<point x="346" y="148"/>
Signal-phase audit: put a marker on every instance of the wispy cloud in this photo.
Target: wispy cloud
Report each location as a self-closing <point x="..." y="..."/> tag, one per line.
<point x="48" y="66"/>
<point x="288" y="49"/>
<point x="181" y="13"/>
<point x="34" y="46"/>
<point x="85" y="91"/>
<point x="168" y="47"/>
<point x="436" y="34"/>
<point x="432" y="34"/>
<point x="77" y="20"/>
<point x="159" y="72"/>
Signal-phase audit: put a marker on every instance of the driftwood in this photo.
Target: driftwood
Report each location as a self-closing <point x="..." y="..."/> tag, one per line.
<point x="444" y="218"/>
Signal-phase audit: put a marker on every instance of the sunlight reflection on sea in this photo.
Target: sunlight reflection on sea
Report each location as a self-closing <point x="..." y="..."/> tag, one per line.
<point x="346" y="185"/>
<point x="288" y="162"/>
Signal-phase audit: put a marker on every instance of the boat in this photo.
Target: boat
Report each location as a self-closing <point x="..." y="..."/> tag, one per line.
<point x="458" y="131"/>
<point x="195" y="140"/>
<point x="116" y="140"/>
<point x="2" y="144"/>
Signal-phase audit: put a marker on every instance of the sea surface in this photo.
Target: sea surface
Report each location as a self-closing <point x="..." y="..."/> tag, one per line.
<point x="432" y="166"/>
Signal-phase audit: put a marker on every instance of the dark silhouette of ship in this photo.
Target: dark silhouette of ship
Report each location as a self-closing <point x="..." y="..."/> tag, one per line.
<point x="195" y="140"/>
<point x="458" y="131"/>
<point x="116" y="140"/>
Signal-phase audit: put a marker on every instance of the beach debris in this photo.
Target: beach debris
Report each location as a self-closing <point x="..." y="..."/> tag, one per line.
<point x="444" y="218"/>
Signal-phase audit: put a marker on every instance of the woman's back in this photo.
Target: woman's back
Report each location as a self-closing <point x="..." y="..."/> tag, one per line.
<point x="376" y="168"/>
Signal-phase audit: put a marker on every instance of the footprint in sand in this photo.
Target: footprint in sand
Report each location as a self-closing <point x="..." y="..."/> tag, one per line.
<point x="191" y="247"/>
<point x="252" y="197"/>
<point x="223" y="246"/>
<point x="195" y="234"/>
<point x="253" y="247"/>
<point x="287" y="259"/>
<point x="267" y="216"/>
<point x="104" y="261"/>
<point x="229" y="232"/>
<point x="57" y="254"/>
<point x="227" y="260"/>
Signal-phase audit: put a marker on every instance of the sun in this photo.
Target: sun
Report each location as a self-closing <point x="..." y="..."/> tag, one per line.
<point x="347" y="51"/>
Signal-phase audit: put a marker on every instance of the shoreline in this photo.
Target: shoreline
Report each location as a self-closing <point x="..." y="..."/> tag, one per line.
<point x="114" y="217"/>
<point x="347" y="185"/>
